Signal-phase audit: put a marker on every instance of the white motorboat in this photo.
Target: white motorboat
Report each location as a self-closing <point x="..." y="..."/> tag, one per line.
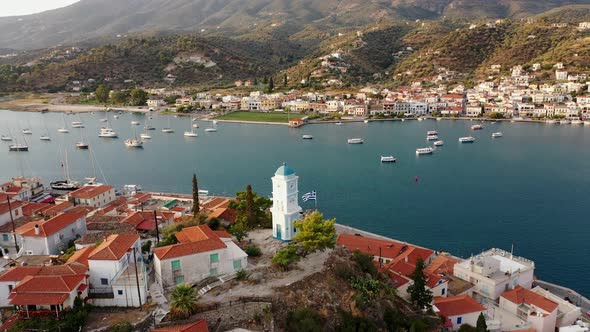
<point x="195" y="125"/>
<point x="211" y="130"/>
<point x="439" y="143"/>
<point x="420" y="119"/>
<point x="307" y="137"/>
<point x="194" y="120"/>
<point x="27" y="131"/>
<point x="77" y="124"/>
<point x="438" y="119"/>
<point x="214" y="121"/>
<point x="550" y="121"/>
<point x="467" y="139"/>
<point x="422" y="151"/>
<point x="586" y="123"/>
<point x="104" y="120"/>
<point x="5" y="138"/>
<point x="498" y="134"/>
<point x="167" y="130"/>
<point x="574" y="122"/>
<point x="82" y="145"/>
<point x="366" y="121"/>
<point x="45" y="138"/>
<point x="133" y="143"/>
<point x="431" y="132"/>
<point x="107" y="132"/>
<point x="18" y="147"/>
<point x="135" y="123"/>
<point x="355" y="141"/>
<point x="564" y="122"/>
<point x="431" y="137"/>
<point x="190" y="134"/>
<point x="115" y="116"/>
<point x="388" y="159"/>
<point x="477" y="127"/>
<point x="63" y="130"/>
<point x="145" y="136"/>
<point x="339" y="123"/>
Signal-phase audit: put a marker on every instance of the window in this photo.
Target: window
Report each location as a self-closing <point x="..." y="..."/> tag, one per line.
<point x="5" y="237"/>
<point x="178" y="280"/>
<point x="213" y="272"/>
<point x="459" y="320"/>
<point x="104" y="281"/>
<point x="443" y="291"/>
<point x="214" y="258"/>
<point x="120" y="292"/>
<point x="175" y="265"/>
<point x="237" y="264"/>
<point x="9" y="288"/>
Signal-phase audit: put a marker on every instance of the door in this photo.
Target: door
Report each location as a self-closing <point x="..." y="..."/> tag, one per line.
<point x="279" y="232"/>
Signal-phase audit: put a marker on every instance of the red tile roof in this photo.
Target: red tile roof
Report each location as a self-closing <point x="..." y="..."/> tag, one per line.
<point x="38" y="298"/>
<point x="457" y="305"/>
<point x="81" y="256"/>
<point x="49" y="284"/>
<point x="521" y="295"/>
<point x="223" y="234"/>
<point x="49" y="227"/>
<point x="401" y="267"/>
<point x="32" y="208"/>
<point x="198" y="326"/>
<point x="13" y="205"/>
<point x="387" y="249"/>
<point x="18" y="273"/>
<point x="56" y="209"/>
<point x="90" y="191"/>
<point x="83" y="209"/>
<point x="114" y="247"/>
<point x="441" y="265"/>
<point x="204" y="239"/>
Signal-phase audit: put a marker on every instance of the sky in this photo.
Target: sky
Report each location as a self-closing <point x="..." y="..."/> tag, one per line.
<point x="24" y="7"/>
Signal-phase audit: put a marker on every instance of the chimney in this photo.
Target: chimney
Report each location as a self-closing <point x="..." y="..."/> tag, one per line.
<point x="36" y="229"/>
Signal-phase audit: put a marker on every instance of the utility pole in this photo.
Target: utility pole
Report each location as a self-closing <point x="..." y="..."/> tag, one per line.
<point x="13" y="227"/>
<point x="137" y="278"/>
<point x="157" y="228"/>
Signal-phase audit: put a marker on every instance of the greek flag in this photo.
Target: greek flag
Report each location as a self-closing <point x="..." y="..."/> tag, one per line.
<point x="310" y="196"/>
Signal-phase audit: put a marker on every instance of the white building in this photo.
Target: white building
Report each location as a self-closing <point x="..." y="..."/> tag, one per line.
<point x="116" y="272"/>
<point x="49" y="237"/>
<point x="494" y="272"/>
<point x="155" y="103"/>
<point x="458" y="310"/>
<point x="285" y="208"/>
<point x="532" y="307"/>
<point x="200" y="253"/>
<point x="96" y="196"/>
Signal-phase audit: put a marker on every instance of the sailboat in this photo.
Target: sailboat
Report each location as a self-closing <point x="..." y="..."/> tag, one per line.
<point x="17" y="147"/>
<point x="78" y="124"/>
<point x="134" y="142"/>
<point x="190" y="133"/>
<point x="82" y="144"/>
<point x="27" y="131"/>
<point x="106" y="117"/>
<point x="147" y="125"/>
<point x="195" y="124"/>
<point x="67" y="184"/>
<point x="64" y="129"/>
<point x="6" y="138"/>
<point x="168" y="130"/>
<point x="213" y="128"/>
<point x="107" y="132"/>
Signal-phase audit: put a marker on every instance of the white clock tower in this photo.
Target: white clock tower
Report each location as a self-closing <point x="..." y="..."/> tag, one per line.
<point x="285" y="206"/>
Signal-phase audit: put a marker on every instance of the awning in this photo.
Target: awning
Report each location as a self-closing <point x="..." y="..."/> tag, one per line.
<point x="82" y="287"/>
<point x="38" y="298"/>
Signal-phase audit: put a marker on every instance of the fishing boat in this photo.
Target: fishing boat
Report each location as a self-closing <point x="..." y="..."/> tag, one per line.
<point x="439" y="143"/>
<point x="431" y="137"/>
<point x="477" y="127"/>
<point x="467" y="139"/>
<point x="431" y="132"/>
<point x="422" y="151"/>
<point x="307" y="137"/>
<point x="388" y="159"/>
<point x="355" y="141"/>
<point x="498" y="134"/>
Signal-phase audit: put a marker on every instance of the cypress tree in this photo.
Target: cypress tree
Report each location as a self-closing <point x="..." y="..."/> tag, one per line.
<point x="420" y="297"/>
<point x="250" y="215"/>
<point x="271" y="84"/>
<point x="285" y="80"/>
<point x="196" y="207"/>
<point x="481" y="323"/>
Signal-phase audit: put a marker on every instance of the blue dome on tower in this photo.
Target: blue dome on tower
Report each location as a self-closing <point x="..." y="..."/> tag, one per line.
<point x="285" y="170"/>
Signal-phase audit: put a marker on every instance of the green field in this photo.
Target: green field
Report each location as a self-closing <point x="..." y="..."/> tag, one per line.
<point x="257" y="117"/>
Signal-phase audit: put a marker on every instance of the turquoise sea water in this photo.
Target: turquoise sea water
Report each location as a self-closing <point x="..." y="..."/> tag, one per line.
<point x="529" y="188"/>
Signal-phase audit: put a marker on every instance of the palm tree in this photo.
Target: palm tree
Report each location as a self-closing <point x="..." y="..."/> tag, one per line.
<point x="184" y="301"/>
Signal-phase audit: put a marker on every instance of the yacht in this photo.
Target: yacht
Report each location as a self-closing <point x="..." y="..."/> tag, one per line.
<point x="104" y="120"/>
<point x="133" y="143"/>
<point x="169" y="130"/>
<point x="498" y="134"/>
<point x="355" y="141"/>
<point x="191" y="133"/>
<point x="82" y="145"/>
<point x="564" y="121"/>
<point x="27" y="131"/>
<point x="431" y="137"/>
<point x="307" y="137"/>
<point x="67" y="185"/>
<point x="431" y="132"/>
<point x="420" y="119"/>
<point x="6" y="138"/>
<point x="550" y="121"/>
<point x="424" y="151"/>
<point x="214" y="121"/>
<point x="107" y="132"/>
<point x="477" y="127"/>
<point x="195" y="125"/>
<point x="63" y="130"/>
<point x="145" y="136"/>
<point x="388" y="159"/>
<point x="467" y="139"/>
<point x="211" y="130"/>
<point x="587" y="123"/>
<point x="45" y="138"/>
<point x="18" y="147"/>
<point x="77" y="124"/>
<point x="439" y="143"/>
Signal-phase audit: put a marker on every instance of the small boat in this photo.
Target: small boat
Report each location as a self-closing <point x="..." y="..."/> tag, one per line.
<point x="355" y="141"/>
<point x="18" y="147"/>
<point x="133" y="143"/>
<point x="6" y="138"/>
<point x="577" y="122"/>
<point x="431" y="132"/>
<point x="63" y="130"/>
<point x="115" y="116"/>
<point x="431" y="137"/>
<point x="366" y="121"/>
<point x="388" y="159"/>
<point x="45" y="138"/>
<point x="307" y="137"/>
<point x="104" y="120"/>
<point x="167" y="130"/>
<point x="420" y="119"/>
<point x="27" y="132"/>
<point x="477" y="127"/>
<point x="193" y="120"/>
<point x="107" y="132"/>
<point x="339" y="123"/>
<point x="438" y="119"/>
<point x="77" y="124"/>
<point x="214" y="121"/>
<point x="82" y="145"/>
<point x="424" y="151"/>
<point x="467" y="139"/>
<point x="195" y="125"/>
<point x="498" y="134"/>
<point x="190" y="134"/>
<point x="149" y="128"/>
<point x="135" y="123"/>
<point x="493" y="122"/>
<point x="439" y="143"/>
<point x="403" y="120"/>
<point x="564" y="122"/>
<point x="586" y="123"/>
<point x="145" y="136"/>
<point x="550" y="121"/>
<point x="211" y="130"/>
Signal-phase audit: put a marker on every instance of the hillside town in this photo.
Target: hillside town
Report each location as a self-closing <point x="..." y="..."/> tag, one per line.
<point x="111" y="249"/>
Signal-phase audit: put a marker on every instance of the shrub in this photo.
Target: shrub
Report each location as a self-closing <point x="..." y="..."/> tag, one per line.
<point x="253" y="251"/>
<point x="364" y="262"/>
<point x="344" y="272"/>
<point x="242" y="275"/>
<point x="304" y="320"/>
<point x="121" y="327"/>
<point x="286" y="256"/>
<point x="145" y="248"/>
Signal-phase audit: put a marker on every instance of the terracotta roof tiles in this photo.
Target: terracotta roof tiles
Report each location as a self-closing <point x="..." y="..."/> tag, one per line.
<point x="114" y="247"/>
<point x="457" y="305"/>
<point x="49" y="227"/>
<point x="521" y="295"/>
